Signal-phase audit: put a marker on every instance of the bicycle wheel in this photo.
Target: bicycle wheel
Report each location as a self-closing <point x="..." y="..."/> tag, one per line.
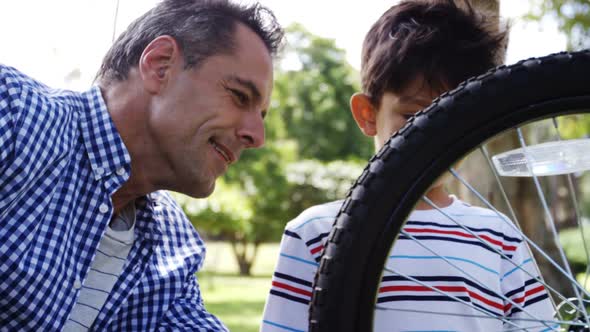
<point x="508" y="108"/>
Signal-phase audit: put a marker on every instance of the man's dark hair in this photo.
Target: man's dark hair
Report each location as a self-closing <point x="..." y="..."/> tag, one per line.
<point x="202" y="28"/>
<point x="436" y="40"/>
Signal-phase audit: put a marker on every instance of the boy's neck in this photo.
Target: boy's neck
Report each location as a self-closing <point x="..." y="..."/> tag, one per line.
<point x="439" y="196"/>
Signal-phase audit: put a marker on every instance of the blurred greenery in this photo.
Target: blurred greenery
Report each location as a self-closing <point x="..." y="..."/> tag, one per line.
<point x="572" y="240"/>
<point x="571" y="15"/>
<point x="313" y="100"/>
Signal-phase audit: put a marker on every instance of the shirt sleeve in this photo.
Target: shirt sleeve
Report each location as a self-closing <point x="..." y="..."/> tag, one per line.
<point x="10" y="105"/>
<point x="189" y="314"/>
<point x="287" y="305"/>
<point x="7" y="105"/>
<point x="529" y="298"/>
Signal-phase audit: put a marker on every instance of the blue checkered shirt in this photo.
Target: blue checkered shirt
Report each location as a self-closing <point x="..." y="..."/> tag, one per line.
<point x="61" y="158"/>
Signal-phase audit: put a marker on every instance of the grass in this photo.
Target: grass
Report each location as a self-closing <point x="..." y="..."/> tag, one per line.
<point x="238" y="301"/>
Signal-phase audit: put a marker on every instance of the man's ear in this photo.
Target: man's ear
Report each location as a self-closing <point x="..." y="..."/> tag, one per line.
<point x="157" y="61"/>
<point x="364" y="113"/>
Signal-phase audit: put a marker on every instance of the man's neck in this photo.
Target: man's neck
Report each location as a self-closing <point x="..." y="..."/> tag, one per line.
<point x="126" y="103"/>
<point x="120" y="200"/>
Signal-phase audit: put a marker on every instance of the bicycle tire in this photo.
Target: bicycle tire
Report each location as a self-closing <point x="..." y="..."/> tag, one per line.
<point x="414" y="157"/>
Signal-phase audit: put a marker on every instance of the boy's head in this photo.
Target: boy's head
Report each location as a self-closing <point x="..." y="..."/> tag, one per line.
<point x="414" y="52"/>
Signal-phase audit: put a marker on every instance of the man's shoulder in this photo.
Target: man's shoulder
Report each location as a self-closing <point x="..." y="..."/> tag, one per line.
<point x="11" y="82"/>
<point x="18" y="85"/>
<point x="14" y="80"/>
<point x="315" y="219"/>
<point x="9" y="74"/>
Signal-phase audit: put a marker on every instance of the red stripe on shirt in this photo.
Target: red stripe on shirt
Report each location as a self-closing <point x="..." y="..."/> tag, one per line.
<point x="291" y="288"/>
<point x="317" y="249"/>
<point x="521" y="299"/>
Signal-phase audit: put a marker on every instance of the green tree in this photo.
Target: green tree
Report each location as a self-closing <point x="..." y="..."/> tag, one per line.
<point x="572" y="18"/>
<point x="313" y="99"/>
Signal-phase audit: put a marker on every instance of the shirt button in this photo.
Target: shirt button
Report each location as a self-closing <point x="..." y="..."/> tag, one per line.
<point x="77" y="283"/>
<point x="100" y="171"/>
<point x="121" y="171"/>
<point x="103" y="208"/>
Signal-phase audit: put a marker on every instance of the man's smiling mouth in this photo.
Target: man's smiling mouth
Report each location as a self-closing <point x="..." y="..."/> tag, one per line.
<point x="223" y="151"/>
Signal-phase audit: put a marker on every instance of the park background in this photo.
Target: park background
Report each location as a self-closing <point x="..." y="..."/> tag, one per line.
<point x="314" y="150"/>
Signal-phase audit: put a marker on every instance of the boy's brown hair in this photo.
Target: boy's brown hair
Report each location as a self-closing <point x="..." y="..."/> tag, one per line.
<point x="437" y="40"/>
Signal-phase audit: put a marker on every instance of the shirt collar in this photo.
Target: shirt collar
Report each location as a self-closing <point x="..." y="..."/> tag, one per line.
<point x="149" y="218"/>
<point x="105" y="148"/>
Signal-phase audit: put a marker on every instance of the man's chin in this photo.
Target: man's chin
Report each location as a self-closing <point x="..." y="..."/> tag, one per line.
<point x="201" y="190"/>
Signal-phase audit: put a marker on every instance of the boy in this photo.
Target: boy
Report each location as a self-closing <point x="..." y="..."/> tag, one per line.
<point x="413" y="53"/>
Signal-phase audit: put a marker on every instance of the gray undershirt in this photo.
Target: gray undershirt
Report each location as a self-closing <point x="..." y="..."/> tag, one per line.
<point x="104" y="271"/>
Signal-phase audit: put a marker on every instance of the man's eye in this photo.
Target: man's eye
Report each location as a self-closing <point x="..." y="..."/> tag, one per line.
<point x="240" y="96"/>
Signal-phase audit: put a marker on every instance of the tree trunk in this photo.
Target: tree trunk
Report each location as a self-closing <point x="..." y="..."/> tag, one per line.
<point x="245" y="254"/>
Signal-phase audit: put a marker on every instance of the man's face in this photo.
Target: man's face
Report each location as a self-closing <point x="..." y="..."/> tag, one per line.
<point x="396" y="108"/>
<point x="206" y="116"/>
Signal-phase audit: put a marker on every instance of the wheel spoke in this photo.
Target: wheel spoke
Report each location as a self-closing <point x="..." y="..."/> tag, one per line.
<point x="455" y="266"/>
<point x="450" y="295"/>
<point x="551" y="325"/>
<point x="551" y="225"/>
<point x="516" y="265"/>
<point x="529" y="241"/>
<point x="486" y="155"/>
<point x="574" y="197"/>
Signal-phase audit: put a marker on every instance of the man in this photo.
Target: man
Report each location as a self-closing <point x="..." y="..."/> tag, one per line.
<point x="87" y="239"/>
<point x="413" y="53"/>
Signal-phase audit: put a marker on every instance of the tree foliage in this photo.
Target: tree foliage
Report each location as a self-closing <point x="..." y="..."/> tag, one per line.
<point x="572" y="17"/>
<point x="313" y="99"/>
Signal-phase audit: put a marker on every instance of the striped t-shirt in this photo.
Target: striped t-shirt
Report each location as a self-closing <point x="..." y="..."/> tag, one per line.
<point x="105" y="270"/>
<point x="432" y="253"/>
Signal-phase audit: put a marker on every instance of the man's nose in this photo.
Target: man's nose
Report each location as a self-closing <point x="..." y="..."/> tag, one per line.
<point x="251" y="133"/>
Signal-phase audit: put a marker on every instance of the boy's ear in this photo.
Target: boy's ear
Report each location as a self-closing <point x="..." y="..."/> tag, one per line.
<point x="364" y="113"/>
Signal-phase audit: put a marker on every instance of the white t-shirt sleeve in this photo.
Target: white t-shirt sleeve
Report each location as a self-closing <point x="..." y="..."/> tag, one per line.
<point x="287" y="305"/>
